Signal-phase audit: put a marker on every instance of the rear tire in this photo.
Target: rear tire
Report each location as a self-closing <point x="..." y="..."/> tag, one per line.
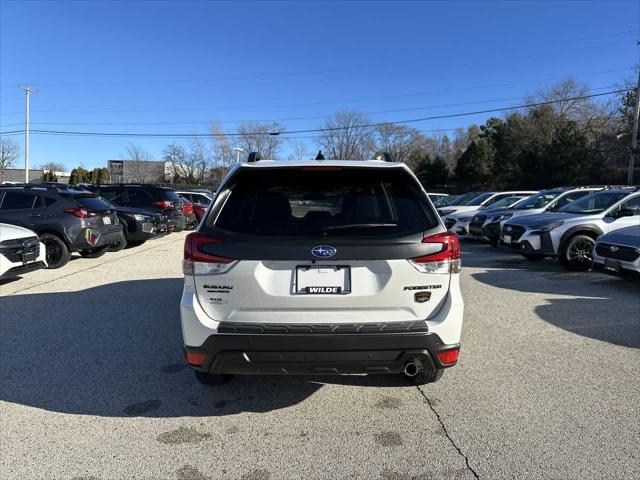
<point x="118" y="244"/>
<point x="577" y="253"/>
<point x="207" y="378"/>
<point x="94" y="252"/>
<point x="57" y="252"/>
<point x="533" y="257"/>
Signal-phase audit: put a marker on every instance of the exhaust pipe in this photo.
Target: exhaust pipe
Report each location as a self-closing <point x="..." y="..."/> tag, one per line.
<point x="410" y="369"/>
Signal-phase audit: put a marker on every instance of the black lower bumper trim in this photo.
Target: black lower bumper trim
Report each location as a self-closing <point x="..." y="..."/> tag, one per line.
<point x="21" y="270"/>
<point x="319" y="353"/>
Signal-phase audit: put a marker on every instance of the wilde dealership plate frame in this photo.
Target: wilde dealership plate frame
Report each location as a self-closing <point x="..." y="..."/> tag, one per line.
<point x="343" y="289"/>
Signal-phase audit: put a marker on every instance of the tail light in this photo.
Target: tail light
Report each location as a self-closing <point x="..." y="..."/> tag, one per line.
<point x="445" y="260"/>
<point x="187" y="209"/>
<point x="163" y="203"/>
<point x="80" y="212"/>
<point x="198" y="262"/>
<point x="449" y="357"/>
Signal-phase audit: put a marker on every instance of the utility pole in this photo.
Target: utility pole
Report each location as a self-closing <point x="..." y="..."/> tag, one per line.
<point x="634" y="135"/>
<point x="27" y="91"/>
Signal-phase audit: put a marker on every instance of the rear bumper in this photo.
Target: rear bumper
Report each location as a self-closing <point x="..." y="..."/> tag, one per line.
<point x="97" y="237"/>
<point x="293" y="354"/>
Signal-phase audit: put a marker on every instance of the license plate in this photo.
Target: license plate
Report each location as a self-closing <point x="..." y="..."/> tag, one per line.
<point x="323" y="279"/>
<point x="611" y="265"/>
<point x="507" y="239"/>
<point x="106" y="220"/>
<point x="28" y="257"/>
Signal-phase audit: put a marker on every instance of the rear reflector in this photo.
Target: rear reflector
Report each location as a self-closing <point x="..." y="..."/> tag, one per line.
<point x="449" y="357"/>
<point x="195" y="358"/>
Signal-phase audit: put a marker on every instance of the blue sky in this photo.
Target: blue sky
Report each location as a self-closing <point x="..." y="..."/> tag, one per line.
<point x="175" y="66"/>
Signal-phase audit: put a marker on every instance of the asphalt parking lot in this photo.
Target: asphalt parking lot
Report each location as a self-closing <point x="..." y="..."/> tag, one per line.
<point x="93" y="385"/>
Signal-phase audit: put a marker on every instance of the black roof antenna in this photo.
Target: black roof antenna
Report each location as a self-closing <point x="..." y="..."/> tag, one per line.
<point x="320" y="156"/>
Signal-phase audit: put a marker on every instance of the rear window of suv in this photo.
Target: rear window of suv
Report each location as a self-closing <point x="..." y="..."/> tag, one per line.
<point x="92" y="203"/>
<point x="350" y="201"/>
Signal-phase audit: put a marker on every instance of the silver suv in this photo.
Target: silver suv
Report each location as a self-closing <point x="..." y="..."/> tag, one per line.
<point x="570" y="234"/>
<point x="321" y="267"/>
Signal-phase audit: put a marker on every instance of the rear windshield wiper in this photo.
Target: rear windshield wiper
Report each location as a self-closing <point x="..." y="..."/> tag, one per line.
<point x="357" y="226"/>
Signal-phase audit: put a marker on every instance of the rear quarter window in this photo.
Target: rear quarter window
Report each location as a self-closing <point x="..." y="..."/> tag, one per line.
<point x="349" y="201"/>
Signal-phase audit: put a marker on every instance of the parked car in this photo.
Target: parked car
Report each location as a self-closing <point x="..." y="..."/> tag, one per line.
<point x="570" y="234"/>
<point x="618" y="252"/>
<point x="66" y="220"/>
<point x="154" y="198"/>
<point x="460" y="223"/>
<point x="20" y="251"/>
<point x="485" y="199"/>
<point x="189" y="216"/>
<point x="196" y="196"/>
<point x="550" y="200"/>
<point x="436" y="197"/>
<point x="316" y="267"/>
<point x="138" y="226"/>
<point x="456" y="202"/>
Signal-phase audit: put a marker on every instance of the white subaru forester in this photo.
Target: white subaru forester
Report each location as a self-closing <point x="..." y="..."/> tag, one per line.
<point x="321" y="267"/>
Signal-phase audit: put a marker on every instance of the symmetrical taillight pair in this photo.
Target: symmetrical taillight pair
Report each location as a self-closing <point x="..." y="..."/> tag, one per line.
<point x="197" y="262"/>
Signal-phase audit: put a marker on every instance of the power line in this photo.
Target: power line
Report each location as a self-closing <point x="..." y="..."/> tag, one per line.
<point x="316" y="117"/>
<point x="319" y="130"/>
<point x="332" y="102"/>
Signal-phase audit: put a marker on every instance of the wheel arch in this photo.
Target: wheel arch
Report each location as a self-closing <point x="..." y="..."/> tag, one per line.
<point x="590" y="230"/>
<point x="61" y="236"/>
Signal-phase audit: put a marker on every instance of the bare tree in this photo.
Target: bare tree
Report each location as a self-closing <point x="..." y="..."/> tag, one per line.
<point x="345" y="136"/>
<point x="53" y="167"/>
<point x="8" y="154"/>
<point x="400" y="141"/>
<point x="223" y="155"/>
<point x="175" y="155"/>
<point x="560" y="93"/>
<point x="299" y="150"/>
<point x="261" y="137"/>
<point x="138" y="156"/>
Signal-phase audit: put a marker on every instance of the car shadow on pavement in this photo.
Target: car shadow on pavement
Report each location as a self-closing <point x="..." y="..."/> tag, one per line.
<point x="605" y="308"/>
<point x="116" y="350"/>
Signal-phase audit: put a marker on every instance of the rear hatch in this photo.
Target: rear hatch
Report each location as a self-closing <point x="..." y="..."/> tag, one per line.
<point x="96" y="211"/>
<point x="321" y="245"/>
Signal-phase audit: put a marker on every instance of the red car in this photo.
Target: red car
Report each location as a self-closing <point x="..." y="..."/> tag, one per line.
<point x="189" y="214"/>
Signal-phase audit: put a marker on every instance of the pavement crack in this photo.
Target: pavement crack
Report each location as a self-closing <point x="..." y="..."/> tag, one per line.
<point x="446" y="432"/>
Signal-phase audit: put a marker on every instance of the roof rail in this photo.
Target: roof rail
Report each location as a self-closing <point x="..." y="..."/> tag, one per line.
<point x="385" y="156"/>
<point x="253" y="157"/>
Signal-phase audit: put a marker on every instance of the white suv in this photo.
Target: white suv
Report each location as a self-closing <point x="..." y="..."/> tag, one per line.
<point x="321" y="267"/>
<point x="20" y="251"/>
<point x="571" y="233"/>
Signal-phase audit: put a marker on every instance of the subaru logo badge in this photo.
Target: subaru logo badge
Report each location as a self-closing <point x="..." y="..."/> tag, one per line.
<point x="323" y="251"/>
<point x="508" y="229"/>
<point x="614" y="248"/>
